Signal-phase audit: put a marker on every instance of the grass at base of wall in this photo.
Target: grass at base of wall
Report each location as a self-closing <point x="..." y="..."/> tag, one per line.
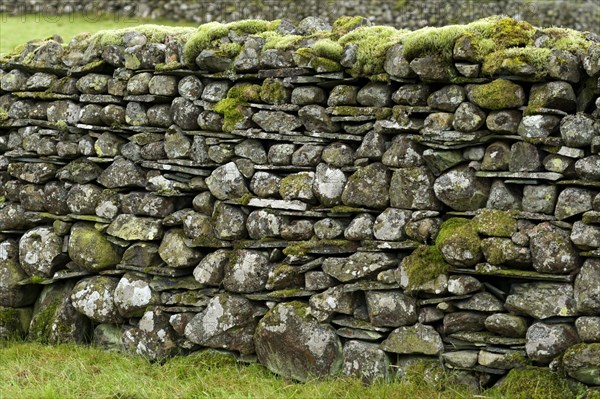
<point x="30" y="370"/>
<point x="15" y="30"/>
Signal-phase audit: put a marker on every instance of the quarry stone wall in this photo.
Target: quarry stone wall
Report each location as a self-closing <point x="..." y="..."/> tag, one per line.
<point x="326" y="200"/>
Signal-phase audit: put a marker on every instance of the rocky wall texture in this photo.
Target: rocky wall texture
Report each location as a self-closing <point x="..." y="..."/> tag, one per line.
<point x="412" y="14"/>
<point x="323" y="199"/>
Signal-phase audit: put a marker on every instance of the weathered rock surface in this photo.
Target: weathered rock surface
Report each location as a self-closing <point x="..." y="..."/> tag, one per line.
<point x="291" y="343"/>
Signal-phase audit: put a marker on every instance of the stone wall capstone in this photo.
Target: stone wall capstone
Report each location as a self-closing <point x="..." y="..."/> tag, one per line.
<point x="327" y="199"/>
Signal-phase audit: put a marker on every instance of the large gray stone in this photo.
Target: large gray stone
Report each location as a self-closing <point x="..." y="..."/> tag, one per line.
<point x="417" y="339"/>
<point x="461" y="190"/>
<point x="226" y="182"/>
<point x="552" y="250"/>
<point x="587" y="287"/>
<point x="228" y="322"/>
<point x="90" y="249"/>
<point x="291" y="343"/>
<point x="135" y="228"/>
<point x="333" y="300"/>
<point x="94" y="298"/>
<point x="389" y="224"/>
<point x="578" y="130"/>
<point x="40" y="251"/>
<point x="211" y="269"/>
<point x="358" y="265"/>
<point x="55" y="320"/>
<point x="368" y="187"/>
<point x="175" y="251"/>
<point x="153" y="338"/>
<point x="412" y="188"/>
<point x="391" y="308"/>
<point x="582" y="362"/>
<point x="546" y="341"/>
<point x="12" y="294"/>
<point x="328" y="184"/>
<point x="247" y="271"/>
<point x="133" y="294"/>
<point x="365" y="361"/>
<point x="542" y="300"/>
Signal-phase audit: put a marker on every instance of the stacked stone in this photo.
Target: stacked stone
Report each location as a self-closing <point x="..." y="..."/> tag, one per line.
<point x="410" y="14"/>
<point x="311" y="219"/>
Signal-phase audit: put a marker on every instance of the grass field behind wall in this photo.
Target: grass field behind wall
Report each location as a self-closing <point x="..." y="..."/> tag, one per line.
<point x="15" y="30"/>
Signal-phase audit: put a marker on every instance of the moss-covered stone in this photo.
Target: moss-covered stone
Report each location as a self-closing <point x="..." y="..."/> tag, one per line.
<point x="273" y="91"/>
<point x="498" y="94"/>
<point x="14" y="322"/>
<point x="494" y="222"/>
<point x="535" y="383"/>
<point x="424" y="264"/>
<point x="90" y="249"/>
<point x="459" y="242"/>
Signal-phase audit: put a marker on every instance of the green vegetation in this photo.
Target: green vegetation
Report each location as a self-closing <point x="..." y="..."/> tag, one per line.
<point x="233" y="107"/>
<point x="495" y="222"/>
<point x="207" y="36"/>
<point x="501" y="44"/>
<point x="373" y="43"/>
<point x="17" y="30"/>
<point x="426" y="263"/>
<point x="535" y="383"/>
<point x="499" y="94"/>
<point x="31" y="370"/>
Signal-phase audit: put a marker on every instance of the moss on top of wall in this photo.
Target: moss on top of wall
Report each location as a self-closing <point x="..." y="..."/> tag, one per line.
<point x="501" y="44"/>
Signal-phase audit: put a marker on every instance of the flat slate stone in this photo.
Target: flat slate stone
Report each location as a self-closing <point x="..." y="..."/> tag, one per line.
<point x="100" y="99"/>
<point x="521" y="175"/>
<point x="485" y="269"/>
<point x="175" y="168"/>
<point x="293" y="205"/>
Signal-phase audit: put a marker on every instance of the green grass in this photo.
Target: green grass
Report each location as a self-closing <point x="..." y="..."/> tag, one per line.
<point x="31" y="370"/>
<point x="15" y="30"/>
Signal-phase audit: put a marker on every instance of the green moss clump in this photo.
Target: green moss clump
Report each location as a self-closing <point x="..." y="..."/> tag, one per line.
<point x="564" y="39"/>
<point x="328" y="48"/>
<point x="207" y="34"/>
<point x="450" y="228"/>
<point x="345" y="24"/>
<point x="36" y="279"/>
<point x="229" y="50"/>
<point x="62" y="126"/>
<point x="275" y="40"/>
<point x="424" y="264"/>
<point x="41" y="326"/>
<point x="373" y="43"/>
<point x="512" y="60"/>
<point x="234" y="106"/>
<point x="232" y="110"/>
<point x="169" y="66"/>
<point x="496" y="95"/>
<point x="494" y="222"/>
<point x="432" y="41"/>
<point x="244" y="199"/>
<point x="3" y="115"/>
<point x="273" y="91"/>
<point x="245" y="92"/>
<point x="534" y="383"/>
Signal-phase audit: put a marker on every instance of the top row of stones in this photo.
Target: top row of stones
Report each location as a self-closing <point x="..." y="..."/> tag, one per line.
<point x="487" y="47"/>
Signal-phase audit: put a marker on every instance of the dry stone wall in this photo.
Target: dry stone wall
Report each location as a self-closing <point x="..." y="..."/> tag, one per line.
<point x="324" y="199"/>
<point x="412" y="14"/>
